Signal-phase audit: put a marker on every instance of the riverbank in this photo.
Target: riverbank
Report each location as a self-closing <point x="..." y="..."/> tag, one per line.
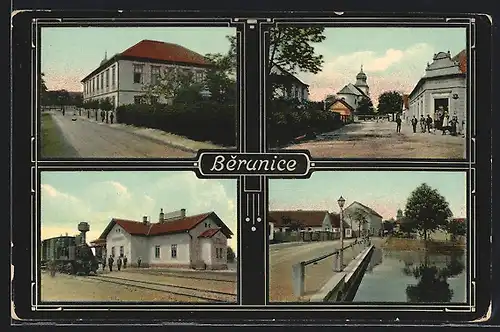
<point x="394" y="243"/>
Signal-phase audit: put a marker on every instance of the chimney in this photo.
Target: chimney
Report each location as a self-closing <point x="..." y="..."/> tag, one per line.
<point x="183" y="213"/>
<point x="162" y="216"/>
<point x="175" y="215"/>
<point x="145" y="219"/>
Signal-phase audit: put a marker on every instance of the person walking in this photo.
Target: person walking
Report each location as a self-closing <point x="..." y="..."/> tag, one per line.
<point x="445" y="123"/>
<point x="422" y="123"/>
<point x="103" y="115"/>
<point x="110" y="263"/>
<point x="119" y="263"/>
<point x="139" y="262"/>
<point x="125" y="262"/>
<point x="111" y="117"/>
<point x="429" y="123"/>
<point x="398" y="123"/>
<point x="414" y="123"/>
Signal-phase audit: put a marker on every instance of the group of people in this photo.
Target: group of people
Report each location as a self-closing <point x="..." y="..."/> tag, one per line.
<point x="120" y="261"/>
<point x="440" y="122"/>
<point x="103" y="116"/>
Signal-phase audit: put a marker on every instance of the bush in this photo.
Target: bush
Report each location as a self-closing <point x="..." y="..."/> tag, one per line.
<point x="287" y="119"/>
<point x="201" y="121"/>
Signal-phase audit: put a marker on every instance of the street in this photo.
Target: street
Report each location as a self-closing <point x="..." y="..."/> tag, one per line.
<point x="94" y="139"/>
<point x="371" y="139"/>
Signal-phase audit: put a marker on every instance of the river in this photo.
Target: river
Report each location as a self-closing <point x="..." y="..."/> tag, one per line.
<point x="414" y="277"/>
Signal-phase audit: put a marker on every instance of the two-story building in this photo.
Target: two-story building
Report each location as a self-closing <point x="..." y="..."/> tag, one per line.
<point x="123" y="77"/>
<point x="176" y="240"/>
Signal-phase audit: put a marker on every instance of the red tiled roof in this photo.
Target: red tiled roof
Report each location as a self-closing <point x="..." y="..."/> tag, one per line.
<point x="335" y="218"/>
<point x="459" y="219"/>
<point x="169" y="226"/>
<point x="305" y="218"/>
<point x="461" y="58"/>
<point x="157" y="50"/>
<point x="209" y="232"/>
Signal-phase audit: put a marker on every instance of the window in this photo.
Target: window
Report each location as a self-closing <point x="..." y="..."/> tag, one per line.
<point x="155" y="74"/>
<point x="216" y="252"/>
<point x="121" y="251"/>
<point x="137" y="99"/>
<point x="173" y="251"/>
<point x="157" y="251"/>
<point x="198" y="76"/>
<point x="113" y="251"/>
<point x="113" y="77"/>
<point x="107" y="78"/>
<point x="138" y="73"/>
<point x="102" y="80"/>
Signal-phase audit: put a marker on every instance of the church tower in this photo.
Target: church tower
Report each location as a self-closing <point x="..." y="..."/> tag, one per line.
<point x="361" y="82"/>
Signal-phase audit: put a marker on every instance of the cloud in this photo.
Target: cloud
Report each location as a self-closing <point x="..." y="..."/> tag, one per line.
<point x="98" y="202"/>
<point x="393" y="69"/>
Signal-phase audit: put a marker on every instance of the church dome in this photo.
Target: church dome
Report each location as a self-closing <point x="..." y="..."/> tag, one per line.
<point x="103" y="61"/>
<point x="361" y="75"/>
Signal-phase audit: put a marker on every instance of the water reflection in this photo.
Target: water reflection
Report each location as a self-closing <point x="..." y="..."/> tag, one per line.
<point x="432" y="283"/>
<point x="414" y="276"/>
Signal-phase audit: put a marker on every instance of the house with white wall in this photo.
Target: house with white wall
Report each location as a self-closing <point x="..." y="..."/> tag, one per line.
<point x="175" y="240"/>
<point x="122" y="78"/>
<point x="287" y="85"/>
<point x="442" y="89"/>
<point x="354" y="215"/>
<point x="304" y="221"/>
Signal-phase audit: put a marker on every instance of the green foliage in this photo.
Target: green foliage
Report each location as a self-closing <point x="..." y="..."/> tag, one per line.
<point x="220" y="78"/>
<point x="365" y="107"/>
<point x="205" y="120"/>
<point x="170" y="82"/>
<point x="456" y="228"/>
<point x="105" y="105"/>
<point x="360" y="218"/>
<point x="288" y="119"/>
<point x="427" y="209"/>
<point x="329" y="100"/>
<point x="390" y="102"/>
<point x="291" y="48"/>
<point x="230" y="254"/>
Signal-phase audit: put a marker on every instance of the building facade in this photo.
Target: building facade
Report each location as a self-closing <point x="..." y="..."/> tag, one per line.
<point x="442" y="89"/>
<point x="372" y="224"/>
<point x="287" y="85"/>
<point x="122" y="79"/>
<point x="176" y="240"/>
<point x="350" y="96"/>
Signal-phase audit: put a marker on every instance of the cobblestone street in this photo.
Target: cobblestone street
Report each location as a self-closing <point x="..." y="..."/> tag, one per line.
<point x="371" y="139"/>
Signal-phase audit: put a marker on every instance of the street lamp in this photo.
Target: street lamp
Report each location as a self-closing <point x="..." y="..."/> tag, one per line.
<point x="341" y="202"/>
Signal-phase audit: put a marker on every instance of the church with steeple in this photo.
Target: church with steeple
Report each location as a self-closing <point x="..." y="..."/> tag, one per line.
<point x="348" y="98"/>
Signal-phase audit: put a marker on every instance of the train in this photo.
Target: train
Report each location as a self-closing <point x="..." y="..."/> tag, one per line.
<point x="69" y="254"/>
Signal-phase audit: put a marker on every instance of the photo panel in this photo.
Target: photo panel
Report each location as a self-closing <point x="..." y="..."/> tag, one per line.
<point x="136" y="237"/>
<point x="366" y="90"/>
<point x="406" y="239"/>
<point x="118" y="91"/>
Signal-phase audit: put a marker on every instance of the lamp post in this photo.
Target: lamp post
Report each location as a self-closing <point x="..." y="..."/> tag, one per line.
<point x="341" y="202"/>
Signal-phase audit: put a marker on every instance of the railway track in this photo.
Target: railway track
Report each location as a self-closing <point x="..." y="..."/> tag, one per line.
<point x="193" y="292"/>
<point x="177" y="275"/>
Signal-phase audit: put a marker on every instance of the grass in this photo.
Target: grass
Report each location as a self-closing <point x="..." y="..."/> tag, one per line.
<point x="52" y="140"/>
<point x="419" y="244"/>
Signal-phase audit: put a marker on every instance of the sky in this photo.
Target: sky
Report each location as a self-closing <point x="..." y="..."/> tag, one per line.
<point x="68" y="198"/>
<point x="69" y="54"/>
<point x="392" y="58"/>
<point x="383" y="191"/>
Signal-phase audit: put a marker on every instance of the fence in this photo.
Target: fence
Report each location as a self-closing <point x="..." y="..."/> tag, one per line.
<point x="299" y="269"/>
<point x="279" y="237"/>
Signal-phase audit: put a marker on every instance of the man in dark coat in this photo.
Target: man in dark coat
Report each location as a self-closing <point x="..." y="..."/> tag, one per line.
<point x="414" y="123"/>
<point x="428" y="122"/>
<point x="398" y="124"/>
<point x="110" y="263"/>
<point x="139" y="262"/>
<point x="125" y="262"/>
<point x="119" y="263"/>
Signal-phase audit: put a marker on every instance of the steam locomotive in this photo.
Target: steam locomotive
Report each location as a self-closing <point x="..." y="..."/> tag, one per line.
<point x="69" y="254"/>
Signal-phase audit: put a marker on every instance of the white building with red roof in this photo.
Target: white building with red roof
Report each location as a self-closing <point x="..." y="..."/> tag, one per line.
<point x="122" y="77"/>
<point x="175" y="240"/>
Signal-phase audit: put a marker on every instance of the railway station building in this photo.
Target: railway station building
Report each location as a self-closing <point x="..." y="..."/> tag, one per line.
<point x="175" y="240"/>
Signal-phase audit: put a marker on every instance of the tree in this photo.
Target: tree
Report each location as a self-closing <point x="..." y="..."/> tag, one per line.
<point x="406" y="226"/>
<point x="169" y="83"/>
<point x="220" y="79"/>
<point x="390" y="102"/>
<point x="427" y="209"/>
<point x="291" y="49"/>
<point x="360" y="218"/>
<point x="292" y="225"/>
<point x="230" y="254"/>
<point x="43" y="90"/>
<point x="456" y="228"/>
<point x="365" y="107"/>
